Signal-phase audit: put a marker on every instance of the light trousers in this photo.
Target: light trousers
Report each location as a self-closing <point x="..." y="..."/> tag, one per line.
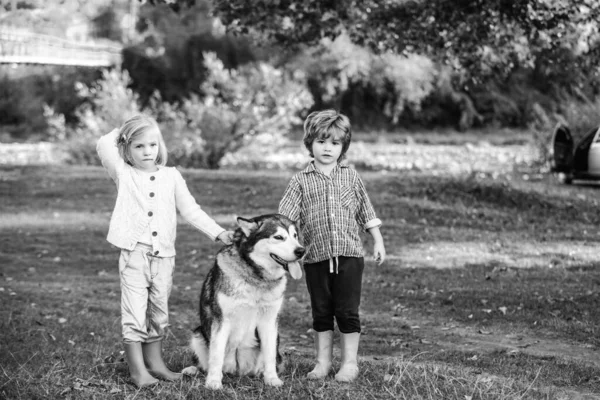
<point x="146" y="283"/>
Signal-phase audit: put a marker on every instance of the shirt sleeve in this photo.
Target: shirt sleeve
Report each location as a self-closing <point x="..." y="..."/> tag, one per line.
<point x="291" y="202"/>
<point x="365" y="213"/>
<point x="109" y="154"/>
<point x="191" y="211"/>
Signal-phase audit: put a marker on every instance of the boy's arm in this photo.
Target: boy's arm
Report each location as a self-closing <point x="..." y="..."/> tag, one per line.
<point x="365" y="213"/>
<point x="109" y="153"/>
<point x="291" y="202"/>
<point x="367" y="218"/>
<point x="193" y="213"/>
<point x="378" y="246"/>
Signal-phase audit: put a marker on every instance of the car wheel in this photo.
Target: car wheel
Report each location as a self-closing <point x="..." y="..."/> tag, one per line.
<point x="567" y="179"/>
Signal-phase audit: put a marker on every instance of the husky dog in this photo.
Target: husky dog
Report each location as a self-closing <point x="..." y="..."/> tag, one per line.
<point x="241" y="298"/>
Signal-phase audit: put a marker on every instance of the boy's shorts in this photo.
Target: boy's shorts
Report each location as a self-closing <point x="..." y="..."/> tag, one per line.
<point x="335" y="294"/>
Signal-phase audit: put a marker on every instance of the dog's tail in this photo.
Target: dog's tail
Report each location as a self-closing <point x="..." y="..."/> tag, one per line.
<point x="199" y="349"/>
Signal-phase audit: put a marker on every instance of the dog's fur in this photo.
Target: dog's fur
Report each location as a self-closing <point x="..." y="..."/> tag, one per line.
<point x="241" y="298"/>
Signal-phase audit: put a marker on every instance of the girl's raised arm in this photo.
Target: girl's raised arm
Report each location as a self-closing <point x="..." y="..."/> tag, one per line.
<point x="109" y="153"/>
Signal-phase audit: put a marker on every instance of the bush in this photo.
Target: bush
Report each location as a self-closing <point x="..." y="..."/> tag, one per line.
<point x="26" y="91"/>
<point x="238" y="104"/>
<point x="366" y="86"/>
<point x="106" y="105"/>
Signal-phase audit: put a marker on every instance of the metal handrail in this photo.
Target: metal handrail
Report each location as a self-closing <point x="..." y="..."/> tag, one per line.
<point x="19" y="45"/>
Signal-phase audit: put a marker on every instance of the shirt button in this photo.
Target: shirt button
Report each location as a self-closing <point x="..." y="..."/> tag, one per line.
<point x="152" y="178"/>
<point x="150" y="213"/>
<point x="151" y="194"/>
<point x="154" y="233"/>
<point x="156" y="252"/>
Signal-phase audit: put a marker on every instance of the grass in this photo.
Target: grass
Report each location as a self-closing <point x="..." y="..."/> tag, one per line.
<point x="490" y="290"/>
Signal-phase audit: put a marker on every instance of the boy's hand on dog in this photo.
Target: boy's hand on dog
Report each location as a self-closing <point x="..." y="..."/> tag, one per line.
<point x="226" y="237"/>
<point x="379" y="253"/>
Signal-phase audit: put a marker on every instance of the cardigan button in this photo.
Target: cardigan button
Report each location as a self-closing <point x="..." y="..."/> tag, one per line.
<point x="151" y="194"/>
<point x="154" y="233"/>
<point x="152" y="178"/>
<point x="150" y="213"/>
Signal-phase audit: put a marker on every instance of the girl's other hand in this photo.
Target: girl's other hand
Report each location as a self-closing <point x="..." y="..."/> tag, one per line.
<point x="226" y="237"/>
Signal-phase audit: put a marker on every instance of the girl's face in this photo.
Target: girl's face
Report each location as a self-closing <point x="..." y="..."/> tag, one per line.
<point x="143" y="150"/>
<point x="327" y="151"/>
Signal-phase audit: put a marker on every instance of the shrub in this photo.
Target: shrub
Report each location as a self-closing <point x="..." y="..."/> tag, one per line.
<point x="28" y="89"/>
<point x="238" y="104"/>
<point x="106" y="104"/>
<point x="349" y="77"/>
<point x="256" y="98"/>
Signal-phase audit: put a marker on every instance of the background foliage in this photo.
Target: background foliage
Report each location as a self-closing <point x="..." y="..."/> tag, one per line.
<point x="388" y="64"/>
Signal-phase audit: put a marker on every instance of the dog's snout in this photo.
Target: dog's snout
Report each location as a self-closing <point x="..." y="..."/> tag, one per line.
<point x="299" y="252"/>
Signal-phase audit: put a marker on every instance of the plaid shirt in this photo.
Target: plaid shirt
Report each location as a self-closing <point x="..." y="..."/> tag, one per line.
<point x="331" y="211"/>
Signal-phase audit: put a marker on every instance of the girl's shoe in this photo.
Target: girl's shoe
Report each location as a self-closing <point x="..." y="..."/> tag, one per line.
<point x="137" y="369"/>
<point x="154" y="361"/>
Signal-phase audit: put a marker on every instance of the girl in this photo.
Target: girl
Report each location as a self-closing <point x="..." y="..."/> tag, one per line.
<point x="143" y="226"/>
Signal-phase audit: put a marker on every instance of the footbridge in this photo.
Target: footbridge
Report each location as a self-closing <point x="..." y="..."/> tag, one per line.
<point x="21" y="46"/>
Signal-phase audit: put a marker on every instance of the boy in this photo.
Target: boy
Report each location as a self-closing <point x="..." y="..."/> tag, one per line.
<point x="329" y="200"/>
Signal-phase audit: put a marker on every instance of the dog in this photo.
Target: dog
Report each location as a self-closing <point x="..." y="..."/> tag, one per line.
<point x="240" y="301"/>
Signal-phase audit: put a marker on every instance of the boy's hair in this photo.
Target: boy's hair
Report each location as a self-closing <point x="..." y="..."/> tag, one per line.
<point x="325" y="123"/>
<point x="135" y="126"/>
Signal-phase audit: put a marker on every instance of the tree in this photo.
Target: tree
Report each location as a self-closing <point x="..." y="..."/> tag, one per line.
<point x="480" y="37"/>
<point x="481" y="44"/>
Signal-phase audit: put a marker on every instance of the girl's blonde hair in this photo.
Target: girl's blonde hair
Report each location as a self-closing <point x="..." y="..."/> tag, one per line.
<point x="135" y="126"/>
<point x="326" y="123"/>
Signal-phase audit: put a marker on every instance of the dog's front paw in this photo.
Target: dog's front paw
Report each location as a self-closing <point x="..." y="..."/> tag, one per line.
<point x="273" y="381"/>
<point x="213" y="383"/>
<point x="190" y="371"/>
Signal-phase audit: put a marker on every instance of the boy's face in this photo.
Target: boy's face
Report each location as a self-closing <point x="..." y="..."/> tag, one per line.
<point x="327" y="151"/>
<point x="143" y="150"/>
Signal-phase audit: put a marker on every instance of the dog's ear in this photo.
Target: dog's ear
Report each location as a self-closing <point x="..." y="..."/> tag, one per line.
<point x="247" y="226"/>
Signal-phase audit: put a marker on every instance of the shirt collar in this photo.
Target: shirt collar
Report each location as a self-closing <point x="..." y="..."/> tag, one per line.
<point x="311" y="167"/>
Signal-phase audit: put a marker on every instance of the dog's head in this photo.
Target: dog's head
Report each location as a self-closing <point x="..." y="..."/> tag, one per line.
<point x="271" y="241"/>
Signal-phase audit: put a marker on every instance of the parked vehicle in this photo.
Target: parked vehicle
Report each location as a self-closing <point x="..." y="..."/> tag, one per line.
<point x="572" y="160"/>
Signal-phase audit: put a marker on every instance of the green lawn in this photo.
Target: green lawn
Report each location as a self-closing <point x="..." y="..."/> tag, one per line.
<point x="490" y="290"/>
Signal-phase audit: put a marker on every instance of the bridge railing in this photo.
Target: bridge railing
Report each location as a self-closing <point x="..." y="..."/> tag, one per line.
<point x="20" y="46"/>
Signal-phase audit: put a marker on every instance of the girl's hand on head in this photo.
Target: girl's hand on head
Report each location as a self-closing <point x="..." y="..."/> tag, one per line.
<point x="379" y="253"/>
<point x="226" y="237"/>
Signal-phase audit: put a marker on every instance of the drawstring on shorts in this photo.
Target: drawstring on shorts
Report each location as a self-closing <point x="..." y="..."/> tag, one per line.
<point x="331" y="262"/>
